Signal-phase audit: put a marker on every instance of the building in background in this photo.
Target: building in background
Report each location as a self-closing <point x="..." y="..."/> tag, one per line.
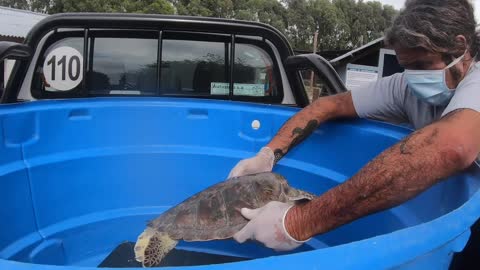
<point x="356" y="67"/>
<point x="366" y="64"/>
<point x="14" y="26"/>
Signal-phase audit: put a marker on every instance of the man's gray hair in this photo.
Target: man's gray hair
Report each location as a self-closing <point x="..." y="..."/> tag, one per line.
<point x="433" y="25"/>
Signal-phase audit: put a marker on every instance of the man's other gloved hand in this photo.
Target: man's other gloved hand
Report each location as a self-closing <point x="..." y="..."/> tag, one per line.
<point x="267" y="225"/>
<point x="262" y="162"/>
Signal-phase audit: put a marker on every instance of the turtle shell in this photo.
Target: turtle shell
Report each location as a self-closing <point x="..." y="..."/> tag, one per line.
<point x="214" y="213"/>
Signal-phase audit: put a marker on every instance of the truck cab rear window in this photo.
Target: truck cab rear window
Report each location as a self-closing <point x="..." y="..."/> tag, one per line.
<point x="191" y="67"/>
<point x="156" y="64"/>
<point x="253" y="72"/>
<point x="123" y="65"/>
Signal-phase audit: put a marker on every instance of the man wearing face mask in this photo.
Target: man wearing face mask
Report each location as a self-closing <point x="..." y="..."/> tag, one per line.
<point x="438" y="94"/>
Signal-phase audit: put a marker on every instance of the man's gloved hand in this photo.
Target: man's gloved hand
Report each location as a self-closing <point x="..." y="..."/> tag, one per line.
<point x="267" y="225"/>
<point x="262" y="162"/>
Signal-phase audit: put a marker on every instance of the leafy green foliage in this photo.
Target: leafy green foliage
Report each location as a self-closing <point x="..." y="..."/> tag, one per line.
<point x="341" y="24"/>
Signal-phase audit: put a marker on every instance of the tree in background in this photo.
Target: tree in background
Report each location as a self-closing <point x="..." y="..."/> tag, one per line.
<point x="58" y="6"/>
<point x="301" y="25"/>
<point x="271" y="12"/>
<point x="342" y="24"/>
<point x="206" y="8"/>
<point x="20" y="4"/>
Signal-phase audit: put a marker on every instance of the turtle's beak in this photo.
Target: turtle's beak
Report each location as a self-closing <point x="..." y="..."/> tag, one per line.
<point x="299" y="195"/>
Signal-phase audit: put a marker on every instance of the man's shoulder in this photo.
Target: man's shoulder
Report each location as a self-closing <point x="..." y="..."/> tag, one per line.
<point x="467" y="94"/>
<point x="398" y="77"/>
<point x="472" y="77"/>
<point x="395" y="83"/>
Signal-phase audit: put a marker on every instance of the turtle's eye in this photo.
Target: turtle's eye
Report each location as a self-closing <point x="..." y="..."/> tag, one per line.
<point x="286" y="189"/>
<point x="269" y="193"/>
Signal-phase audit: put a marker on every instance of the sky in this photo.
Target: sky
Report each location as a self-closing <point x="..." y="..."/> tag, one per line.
<point x="399" y="3"/>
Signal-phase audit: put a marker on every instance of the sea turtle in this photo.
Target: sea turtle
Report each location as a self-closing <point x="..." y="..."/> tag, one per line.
<point x="213" y="213"/>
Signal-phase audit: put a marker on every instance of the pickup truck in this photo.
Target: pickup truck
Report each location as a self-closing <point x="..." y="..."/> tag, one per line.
<point x="110" y="119"/>
<point x="98" y="55"/>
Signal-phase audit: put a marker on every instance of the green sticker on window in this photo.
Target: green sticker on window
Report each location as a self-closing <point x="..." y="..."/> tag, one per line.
<point x="218" y="88"/>
<point x="239" y="89"/>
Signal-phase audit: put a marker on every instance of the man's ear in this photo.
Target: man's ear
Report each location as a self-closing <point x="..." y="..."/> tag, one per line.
<point x="461" y="42"/>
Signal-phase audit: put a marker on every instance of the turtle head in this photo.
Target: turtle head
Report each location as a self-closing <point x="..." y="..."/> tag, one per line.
<point x="297" y="195"/>
<point x="152" y="246"/>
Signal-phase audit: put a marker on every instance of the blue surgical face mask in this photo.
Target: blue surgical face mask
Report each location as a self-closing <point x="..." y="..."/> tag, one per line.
<point x="430" y="86"/>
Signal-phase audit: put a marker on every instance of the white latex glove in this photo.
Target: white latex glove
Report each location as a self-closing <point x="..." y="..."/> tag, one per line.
<point x="267" y="225"/>
<point x="262" y="162"/>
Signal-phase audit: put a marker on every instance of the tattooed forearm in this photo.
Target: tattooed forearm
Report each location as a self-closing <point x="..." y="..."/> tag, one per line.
<point x="278" y="153"/>
<point x="403" y="146"/>
<point x="298" y="135"/>
<point x="304" y="123"/>
<point x="406" y="147"/>
<point x="396" y="175"/>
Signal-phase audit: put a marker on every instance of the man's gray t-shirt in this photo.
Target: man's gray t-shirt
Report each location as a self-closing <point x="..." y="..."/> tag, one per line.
<point x="389" y="99"/>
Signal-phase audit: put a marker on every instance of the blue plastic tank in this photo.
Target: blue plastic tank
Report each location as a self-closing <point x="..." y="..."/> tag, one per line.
<point x="79" y="177"/>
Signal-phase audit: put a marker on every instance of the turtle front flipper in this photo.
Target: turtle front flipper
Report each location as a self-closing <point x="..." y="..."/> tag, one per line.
<point x="152" y="246"/>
